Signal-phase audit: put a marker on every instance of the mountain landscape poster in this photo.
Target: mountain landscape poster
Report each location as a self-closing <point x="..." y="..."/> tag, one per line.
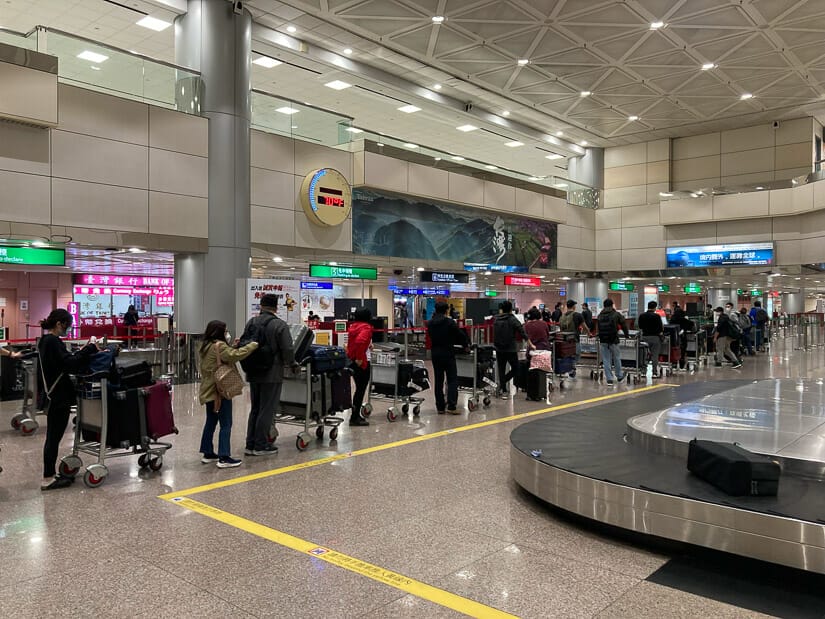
<point x="386" y="224"/>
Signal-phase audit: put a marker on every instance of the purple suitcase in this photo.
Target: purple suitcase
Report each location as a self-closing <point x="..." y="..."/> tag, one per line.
<point x="160" y="421"/>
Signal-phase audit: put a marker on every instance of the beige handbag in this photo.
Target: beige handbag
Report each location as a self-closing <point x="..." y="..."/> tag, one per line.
<point x="228" y="379"/>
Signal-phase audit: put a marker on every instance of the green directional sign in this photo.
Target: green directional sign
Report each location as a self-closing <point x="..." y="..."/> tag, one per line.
<point x="338" y="272"/>
<point x="622" y="286"/>
<point x="663" y="288"/>
<point x="756" y="292"/>
<point x="491" y="293"/>
<point x="43" y="256"/>
<point x="693" y="289"/>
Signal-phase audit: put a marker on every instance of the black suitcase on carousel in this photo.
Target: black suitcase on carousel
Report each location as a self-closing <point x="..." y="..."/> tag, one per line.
<point x="733" y="469"/>
<point x="537" y="385"/>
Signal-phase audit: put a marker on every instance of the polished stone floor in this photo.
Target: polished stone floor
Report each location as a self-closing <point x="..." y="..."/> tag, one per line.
<point x="442" y="511"/>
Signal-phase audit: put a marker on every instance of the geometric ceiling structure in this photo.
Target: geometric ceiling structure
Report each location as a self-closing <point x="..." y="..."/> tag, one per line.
<point x="644" y="82"/>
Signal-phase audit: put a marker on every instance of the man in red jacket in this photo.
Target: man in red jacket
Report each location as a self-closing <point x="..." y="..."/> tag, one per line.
<point x="359" y="341"/>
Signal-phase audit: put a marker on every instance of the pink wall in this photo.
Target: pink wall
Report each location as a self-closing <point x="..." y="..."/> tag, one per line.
<point x="17" y="286"/>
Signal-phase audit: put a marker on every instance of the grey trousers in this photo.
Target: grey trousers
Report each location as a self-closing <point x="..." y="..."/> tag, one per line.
<point x="654" y="343"/>
<point x="266" y="401"/>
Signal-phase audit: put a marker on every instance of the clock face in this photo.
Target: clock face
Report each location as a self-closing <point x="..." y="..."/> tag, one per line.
<point x="326" y="197"/>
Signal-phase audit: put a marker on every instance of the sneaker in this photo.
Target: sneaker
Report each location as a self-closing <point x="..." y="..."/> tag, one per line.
<point x="269" y="450"/>
<point x="209" y="458"/>
<point x="610" y="383"/>
<point x="621" y="379"/>
<point x="58" y="481"/>
<point x="441" y="412"/>
<point x="572" y="374"/>
<point x="736" y="365"/>
<point x="358" y="421"/>
<point x="226" y="462"/>
<point x="453" y="411"/>
<point x="249" y="451"/>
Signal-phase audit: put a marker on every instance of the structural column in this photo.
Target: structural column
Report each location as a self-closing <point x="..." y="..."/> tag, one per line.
<point x="215" y="39"/>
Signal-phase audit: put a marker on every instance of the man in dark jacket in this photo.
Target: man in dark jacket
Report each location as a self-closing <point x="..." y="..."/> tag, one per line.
<point x="444" y="337"/>
<point x="723" y="336"/>
<point x="650" y="324"/>
<point x="505" y="328"/>
<point x="557" y="312"/>
<point x="587" y="315"/>
<point x="609" y="323"/>
<point x="266" y="382"/>
<point x="679" y="317"/>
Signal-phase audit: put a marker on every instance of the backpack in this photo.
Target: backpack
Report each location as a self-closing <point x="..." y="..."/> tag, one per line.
<point x="608" y="328"/>
<point x="761" y="316"/>
<point x="262" y="358"/>
<point x="567" y="322"/>
<point x="734" y="328"/>
<point x="744" y="321"/>
<point x="503" y="332"/>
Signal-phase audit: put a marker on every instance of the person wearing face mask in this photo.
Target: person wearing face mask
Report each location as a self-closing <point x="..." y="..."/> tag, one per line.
<point x="56" y="364"/>
<point x="216" y="342"/>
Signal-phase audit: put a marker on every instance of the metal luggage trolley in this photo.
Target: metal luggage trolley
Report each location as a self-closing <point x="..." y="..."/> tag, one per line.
<point x="696" y="350"/>
<point x="24" y="421"/>
<point x="634" y="353"/>
<point x="309" y="417"/>
<point x="93" y="398"/>
<point x="591" y="357"/>
<point x="471" y="371"/>
<point x="385" y="377"/>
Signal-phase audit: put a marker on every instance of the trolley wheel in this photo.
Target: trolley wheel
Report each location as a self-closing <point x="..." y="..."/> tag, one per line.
<point x="333" y="434"/>
<point x="416" y="411"/>
<point x="366" y="410"/>
<point x="17" y="420"/>
<point x="561" y="385"/>
<point x="391" y="414"/>
<point x="635" y="380"/>
<point x="405" y="408"/>
<point x="661" y="372"/>
<point x="551" y="387"/>
<point x="95" y="475"/>
<point x="143" y="461"/>
<point x="70" y="465"/>
<point x="486" y="401"/>
<point x="319" y="432"/>
<point x="592" y="374"/>
<point x="28" y="427"/>
<point x="472" y="404"/>
<point x="302" y="441"/>
<point x="155" y="462"/>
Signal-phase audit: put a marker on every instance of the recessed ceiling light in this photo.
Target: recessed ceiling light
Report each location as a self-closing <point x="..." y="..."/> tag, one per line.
<point x="136" y="250"/>
<point x="656" y="25"/>
<point x="488" y="272"/>
<point x="354" y="130"/>
<point x="665" y="194"/>
<point x="266" y="62"/>
<point x="467" y="128"/>
<point x="746" y="96"/>
<point x="708" y="66"/>
<point x="379" y="144"/>
<point x="153" y="23"/>
<point x="585" y="93"/>
<point x="38" y="243"/>
<point x="347" y="51"/>
<point x="333" y="264"/>
<point x="294" y="126"/>
<point x="583" y="143"/>
<point x="523" y="61"/>
<point x="337" y="85"/>
<point x="535" y="178"/>
<point x="437" y="159"/>
<point x="505" y="113"/>
<point x="553" y="156"/>
<point x="291" y="29"/>
<point x="409" y="109"/>
<point x="694" y="195"/>
<point x="457" y="158"/>
<point x="514" y="144"/>
<point x="411" y="145"/>
<point x="420" y="269"/>
<point x="287" y="110"/>
<point x="277" y="259"/>
<point x="94" y="68"/>
<point x="438" y="19"/>
<point x="436" y="86"/>
<point x="560" y="185"/>
<point x="559" y="134"/>
<point x="759" y="188"/>
<point x="633" y="118"/>
<point x="491" y="167"/>
<point x="92" y="56"/>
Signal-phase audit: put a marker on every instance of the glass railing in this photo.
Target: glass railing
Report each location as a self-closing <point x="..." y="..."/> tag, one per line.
<point x="300" y="121"/>
<point x="18" y="39"/>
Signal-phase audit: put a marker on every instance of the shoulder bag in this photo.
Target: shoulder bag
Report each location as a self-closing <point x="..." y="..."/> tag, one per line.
<point x="228" y="380"/>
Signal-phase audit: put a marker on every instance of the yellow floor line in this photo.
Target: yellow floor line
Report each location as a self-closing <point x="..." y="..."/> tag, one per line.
<point x="417" y="588"/>
<point x="407" y="441"/>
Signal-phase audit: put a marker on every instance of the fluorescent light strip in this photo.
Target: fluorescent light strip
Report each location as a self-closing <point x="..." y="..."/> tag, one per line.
<point x="338" y="85"/>
<point x="467" y="128"/>
<point x="409" y="109"/>
<point x="287" y="110"/>
<point x="153" y="23"/>
<point x="266" y="62"/>
<point x="514" y="144"/>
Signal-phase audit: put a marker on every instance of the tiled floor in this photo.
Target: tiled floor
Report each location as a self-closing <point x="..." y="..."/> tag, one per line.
<point x="442" y="511"/>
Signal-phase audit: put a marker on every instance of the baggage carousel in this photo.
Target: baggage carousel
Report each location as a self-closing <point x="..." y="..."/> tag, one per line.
<point x="624" y="464"/>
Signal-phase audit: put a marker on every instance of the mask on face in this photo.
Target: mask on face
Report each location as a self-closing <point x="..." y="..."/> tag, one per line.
<point x="228" y="337"/>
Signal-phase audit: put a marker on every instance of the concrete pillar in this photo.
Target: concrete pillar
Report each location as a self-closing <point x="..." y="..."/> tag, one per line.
<point x="214" y="39"/>
<point x="718" y="297"/>
<point x="595" y="292"/>
<point x="793" y="302"/>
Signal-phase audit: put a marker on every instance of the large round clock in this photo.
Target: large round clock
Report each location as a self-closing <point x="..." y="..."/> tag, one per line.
<point x="326" y="197"/>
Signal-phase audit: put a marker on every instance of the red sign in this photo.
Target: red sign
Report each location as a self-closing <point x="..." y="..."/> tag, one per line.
<point x="522" y="280"/>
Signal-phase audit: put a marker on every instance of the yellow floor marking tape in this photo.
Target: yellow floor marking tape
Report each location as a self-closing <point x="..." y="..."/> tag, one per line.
<point x="399" y="581"/>
<point x="407" y="441"/>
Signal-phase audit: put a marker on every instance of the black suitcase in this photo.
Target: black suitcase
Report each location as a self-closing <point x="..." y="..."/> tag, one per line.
<point x="520" y="373"/>
<point x="338" y="392"/>
<point x="125" y="424"/>
<point x="485" y="353"/>
<point x="537" y="385"/>
<point x="672" y="332"/>
<point x="132" y="373"/>
<point x="327" y="358"/>
<point x="733" y="469"/>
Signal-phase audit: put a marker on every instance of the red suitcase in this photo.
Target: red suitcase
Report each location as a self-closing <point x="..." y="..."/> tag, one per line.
<point x="159" y="418"/>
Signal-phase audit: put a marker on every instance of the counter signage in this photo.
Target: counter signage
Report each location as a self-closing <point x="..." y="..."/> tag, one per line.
<point x="693" y="289"/>
<point x="47" y="256"/>
<point x="124" y="280"/>
<point x="427" y="292"/>
<point x="737" y="254"/>
<point x="491" y="293"/>
<point x="336" y="272"/>
<point x="316" y="285"/>
<point x="440" y="277"/>
<point x="476" y="267"/>
<point x="522" y="280"/>
<point x="622" y="286"/>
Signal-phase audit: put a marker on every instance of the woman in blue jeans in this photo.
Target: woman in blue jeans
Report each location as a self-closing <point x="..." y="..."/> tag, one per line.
<point x="216" y="341"/>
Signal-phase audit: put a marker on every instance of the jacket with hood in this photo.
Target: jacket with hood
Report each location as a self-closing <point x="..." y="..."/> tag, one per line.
<point x="359" y="339"/>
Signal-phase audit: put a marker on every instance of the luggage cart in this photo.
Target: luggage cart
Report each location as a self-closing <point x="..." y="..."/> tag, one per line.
<point x="634" y="354"/>
<point x="385" y="377"/>
<point x="591" y="355"/>
<point x="564" y="356"/>
<point x="472" y="370"/>
<point x="25" y="421"/>
<point x="93" y="400"/>
<point x="300" y="395"/>
<point x="696" y="350"/>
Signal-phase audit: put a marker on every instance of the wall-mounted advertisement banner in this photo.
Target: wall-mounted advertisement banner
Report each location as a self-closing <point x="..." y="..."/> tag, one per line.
<point x="440" y="277"/>
<point x="522" y="280"/>
<point x="386" y="224"/>
<point x="738" y="254"/>
<point x="46" y="256"/>
<point x="288" y="292"/>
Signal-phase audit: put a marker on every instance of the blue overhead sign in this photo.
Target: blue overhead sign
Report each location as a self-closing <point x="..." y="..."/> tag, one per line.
<point x="316" y="285"/>
<point x="475" y="267"/>
<point x="740" y="254"/>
